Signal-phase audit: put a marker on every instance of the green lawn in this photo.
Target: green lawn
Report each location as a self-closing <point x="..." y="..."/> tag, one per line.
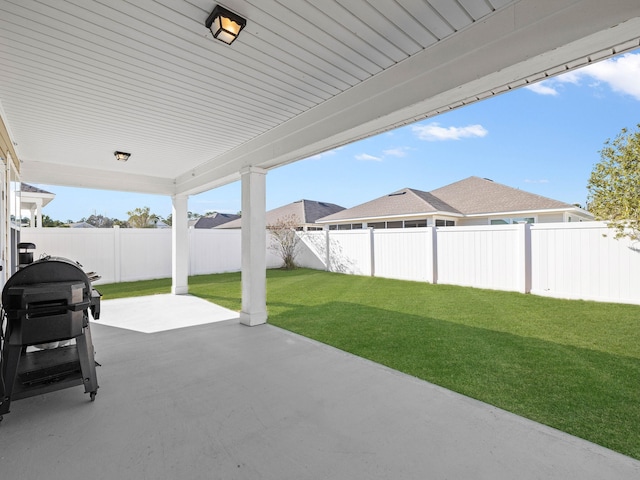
<point x="573" y="365"/>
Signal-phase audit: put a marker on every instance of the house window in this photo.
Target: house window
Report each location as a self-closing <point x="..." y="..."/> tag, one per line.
<point x="313" y="229"/>
<point x="377" y="224"/>
<point x="415" y="223"/>
<point x="344" y="226"/>
<point x="445" y="223"/>
<point x="333" y="227"/>
<point x="356" y="226"/>
<point x="394" y="224"/>
<point x="510" y="221"/>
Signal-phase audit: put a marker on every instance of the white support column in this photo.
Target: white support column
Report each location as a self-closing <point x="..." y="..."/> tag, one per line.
<point x="179" y="245"/>
<point x="38" y="217"/>
<point x="254" y="247"/>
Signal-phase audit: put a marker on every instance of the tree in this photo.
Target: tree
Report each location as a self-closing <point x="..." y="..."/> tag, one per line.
<point x="99" y="221"/>
<point x="47" y="221"/>
<point x="285" y="240"/>
<point x="142" y="218"/>
<point x="614" y="185"/>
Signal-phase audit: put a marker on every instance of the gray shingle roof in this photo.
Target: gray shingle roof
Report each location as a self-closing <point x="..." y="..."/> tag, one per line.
<point x="473" y="195"/>
<point x="25" y="187"/>
<point x="217" y="219"/>
<point x="306" y="211"/>
<point x="403" y="202"/>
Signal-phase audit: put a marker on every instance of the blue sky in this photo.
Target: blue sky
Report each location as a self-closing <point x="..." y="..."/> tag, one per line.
<point x="543" y="139"/>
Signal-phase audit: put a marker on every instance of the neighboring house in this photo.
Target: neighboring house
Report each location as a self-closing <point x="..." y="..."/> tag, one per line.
<point x="32" y="200"/>
<point x="472" y="201"/>
<point x="215" y="220"/>
<point x="306" y="212"/>
<point x="80" y="225"/>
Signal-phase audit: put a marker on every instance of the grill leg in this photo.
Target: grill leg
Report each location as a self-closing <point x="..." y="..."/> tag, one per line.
<point x="8" y="370"/>
<point x="87" y="362"/>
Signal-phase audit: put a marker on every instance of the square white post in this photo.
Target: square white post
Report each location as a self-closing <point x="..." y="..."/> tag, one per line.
<point x="524" y="262"/>
<point x="254" y="247"/>
<point x="179" y="245"/>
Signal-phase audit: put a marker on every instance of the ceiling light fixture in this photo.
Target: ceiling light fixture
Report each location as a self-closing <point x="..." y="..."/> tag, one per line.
<point x="225" y="25"/>
<point x="122" y="156"/>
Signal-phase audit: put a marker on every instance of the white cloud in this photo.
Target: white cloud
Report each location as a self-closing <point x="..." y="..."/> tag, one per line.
<point x="396" y="152"/>
<point x="542" y="88"/>
<point x="368" y="158"/>
<point x="433" y="132"/>
<point x="621" y="74"/>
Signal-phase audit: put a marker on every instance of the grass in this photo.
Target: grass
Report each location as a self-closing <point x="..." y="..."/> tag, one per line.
<point x="573" y="365"/>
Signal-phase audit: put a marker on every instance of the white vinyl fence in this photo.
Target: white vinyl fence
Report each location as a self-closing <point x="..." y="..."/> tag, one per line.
<point x="566" y="260"/>
<point x="131" y="254"/>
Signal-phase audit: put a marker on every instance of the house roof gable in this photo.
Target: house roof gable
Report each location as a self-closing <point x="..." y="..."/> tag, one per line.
<point x="305" y="211"/>
<point x="212" y="221"/>
<point x="471" y="196"/>
<point x="475" y="195"/>
<point x="406" y="201"/>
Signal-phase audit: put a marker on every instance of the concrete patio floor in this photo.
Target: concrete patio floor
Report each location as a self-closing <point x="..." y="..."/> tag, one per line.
<point x="224" y="401"/>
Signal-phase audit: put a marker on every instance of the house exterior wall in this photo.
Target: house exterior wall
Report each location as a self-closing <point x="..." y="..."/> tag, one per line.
<point x="464" y="221"/>
<point x="551" y="217"/>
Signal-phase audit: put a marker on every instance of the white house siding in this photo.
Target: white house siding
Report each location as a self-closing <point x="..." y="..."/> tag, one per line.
<point x="472" y="222"/>
<point x="550" y="217"/>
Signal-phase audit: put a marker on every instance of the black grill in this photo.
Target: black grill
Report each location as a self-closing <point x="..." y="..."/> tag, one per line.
<point x="46" y="307"/>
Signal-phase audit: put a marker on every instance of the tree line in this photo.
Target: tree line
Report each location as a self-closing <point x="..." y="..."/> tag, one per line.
<point x="140" y="217"/>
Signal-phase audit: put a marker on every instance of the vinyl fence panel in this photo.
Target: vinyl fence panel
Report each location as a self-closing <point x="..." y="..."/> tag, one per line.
<point x="92" y="248"/>
<point x="214" y="251"/>
<point x="144" y="253"/>
<point x="584" y="261"/>
<point x="313" y="250"/>
<point x="566" y="260"/>
<point x="404" y="254"/>
<point x="350" y="251"/>
<point x="484" y="256"/>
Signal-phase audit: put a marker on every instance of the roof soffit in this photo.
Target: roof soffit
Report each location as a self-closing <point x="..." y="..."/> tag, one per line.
<point x="332" y="84"/>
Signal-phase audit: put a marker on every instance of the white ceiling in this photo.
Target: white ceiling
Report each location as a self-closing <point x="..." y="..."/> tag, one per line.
<point x="80" y="79"/>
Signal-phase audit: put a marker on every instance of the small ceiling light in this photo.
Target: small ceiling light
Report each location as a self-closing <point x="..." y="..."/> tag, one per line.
<point x="225" y="25"/>
<point x="122" y="156"/>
